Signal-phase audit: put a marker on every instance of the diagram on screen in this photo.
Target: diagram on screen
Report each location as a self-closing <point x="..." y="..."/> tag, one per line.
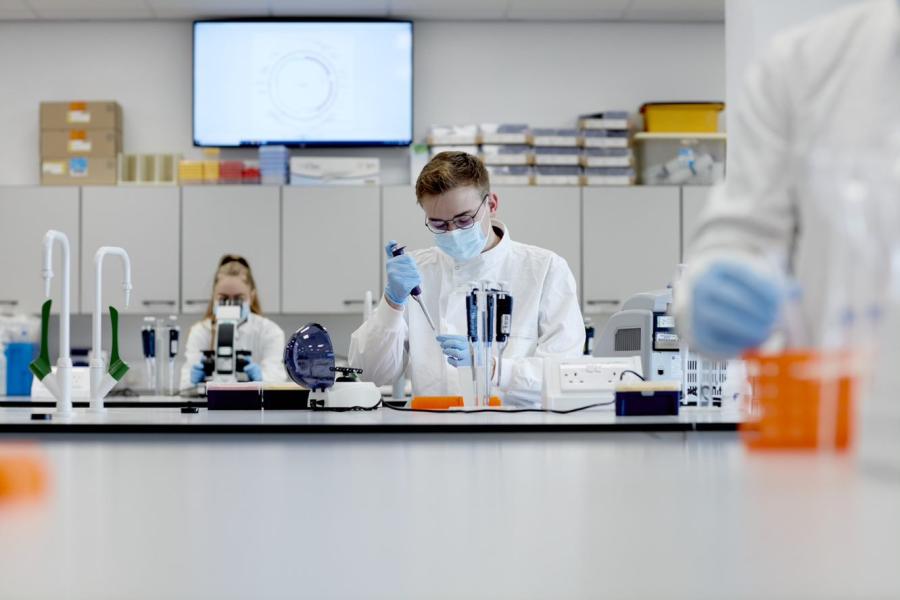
<point x="303" y="85"/>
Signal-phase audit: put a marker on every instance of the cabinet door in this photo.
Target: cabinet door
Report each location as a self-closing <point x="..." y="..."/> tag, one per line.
<point x="402" y="219"/>
<point x="230" y="219"/>
<point x="331" y="248"/>
<point x="26" y="213"/>
<point x="144" y="221"/>
<point x="631" y="243"/>
<point x="549" y="217"/>
<point x="693" y="201"/>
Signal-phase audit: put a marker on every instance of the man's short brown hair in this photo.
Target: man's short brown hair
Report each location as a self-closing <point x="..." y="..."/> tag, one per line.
<point x="450" y="170"/>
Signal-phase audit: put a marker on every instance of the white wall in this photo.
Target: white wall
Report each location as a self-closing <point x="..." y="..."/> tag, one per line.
<point x="541" y="73"/>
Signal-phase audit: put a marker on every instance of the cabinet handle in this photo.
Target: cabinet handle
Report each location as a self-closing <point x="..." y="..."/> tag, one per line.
<point x="603" y="302"/>
<point x="9" y="302"/>
<point x="163" y="302"/>
<point x="352" y="302"/>
<point x="193" y="302"/>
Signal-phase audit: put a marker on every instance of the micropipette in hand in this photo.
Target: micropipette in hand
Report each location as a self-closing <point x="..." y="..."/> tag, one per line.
<point x="416" y="292"/>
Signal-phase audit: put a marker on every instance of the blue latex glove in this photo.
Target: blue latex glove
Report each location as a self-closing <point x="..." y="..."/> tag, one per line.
<point x="402" y="275"/>
<point x="734" y="309"/>
<point x="456" y="348"/>
<point x="253" y="371"/>
<point x="197" y="374"/>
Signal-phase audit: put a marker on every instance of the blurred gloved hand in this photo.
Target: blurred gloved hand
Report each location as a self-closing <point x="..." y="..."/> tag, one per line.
<point x="197" y="374"/>
<point x="733" y="309"/>
<point x="402" y="275"/>
<point x="253" y="371"/>
<point x="456" y="348"/>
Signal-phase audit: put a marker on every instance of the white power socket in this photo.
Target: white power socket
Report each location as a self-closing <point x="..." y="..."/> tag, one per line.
<point x="589" y="377"/>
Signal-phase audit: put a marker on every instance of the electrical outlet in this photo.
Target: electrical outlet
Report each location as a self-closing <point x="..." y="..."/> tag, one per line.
<point x="589" y="377"/>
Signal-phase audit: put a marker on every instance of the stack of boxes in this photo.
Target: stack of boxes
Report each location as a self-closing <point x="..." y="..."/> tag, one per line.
<point x="608" y="158"/>
<point x="274" y="165"/>
<point x="80" y="142"/>
<point x="506" y="151"/>
<point x="599" y="152"/>
<point x="557" y="156"/>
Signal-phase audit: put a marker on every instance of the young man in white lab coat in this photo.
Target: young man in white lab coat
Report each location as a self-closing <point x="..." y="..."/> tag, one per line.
<point x="453" y="190"/>
<point x="829" y="89"/>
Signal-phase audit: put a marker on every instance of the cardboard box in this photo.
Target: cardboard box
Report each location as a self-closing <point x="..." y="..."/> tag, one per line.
<point x="81" y="115"/>
<point x="78" y="170"/>
<point x="94" y="143"/>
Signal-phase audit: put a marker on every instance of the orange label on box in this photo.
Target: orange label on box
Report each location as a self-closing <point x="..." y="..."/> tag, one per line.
<point x="77" y="105"/>
<point x="78" y="134"/>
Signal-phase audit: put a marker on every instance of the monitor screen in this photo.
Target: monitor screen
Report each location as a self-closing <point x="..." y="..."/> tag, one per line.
<point x="302" y="83"/>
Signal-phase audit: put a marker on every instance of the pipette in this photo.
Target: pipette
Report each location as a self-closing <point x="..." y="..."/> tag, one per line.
<point x="504" y="326"/>
<point x="416" y="292"/>
<point x="148" y="339"/>
<point x="174" y="333"/>
<point x="472" y="329"/>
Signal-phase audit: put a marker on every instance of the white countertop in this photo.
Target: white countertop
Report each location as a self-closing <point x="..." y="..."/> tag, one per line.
<point x="450" y="516"/>
<point x="380" y="418"/>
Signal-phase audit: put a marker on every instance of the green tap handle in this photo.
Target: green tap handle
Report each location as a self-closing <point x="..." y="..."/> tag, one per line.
<point x="40" y="367"/>
<point x="117" y="368"/>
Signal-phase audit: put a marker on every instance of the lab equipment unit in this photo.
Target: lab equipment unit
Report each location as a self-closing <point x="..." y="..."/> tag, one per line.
<point x="645" y="327"/>
<point x="309" y="361"/>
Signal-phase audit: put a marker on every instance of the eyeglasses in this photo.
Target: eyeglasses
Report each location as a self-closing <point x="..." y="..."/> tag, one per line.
<point x="225" y="300"/>
<point x="463" y="221"/>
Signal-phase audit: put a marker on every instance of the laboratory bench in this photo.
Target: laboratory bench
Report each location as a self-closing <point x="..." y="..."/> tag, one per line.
<point x="492" y="515"/>
<point x="164" y="415"/>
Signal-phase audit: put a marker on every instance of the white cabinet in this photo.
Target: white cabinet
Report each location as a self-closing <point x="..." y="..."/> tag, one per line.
<point x="229" y="219"/>
<point x="331" y="248"/>
<point x="26" y="213"/>
<point x="548" y="217"/>
<point x="144" y="221"/>
<point x="693" y="201"/>
<point x="403" y="219"/>
<point x="631" y="243"/>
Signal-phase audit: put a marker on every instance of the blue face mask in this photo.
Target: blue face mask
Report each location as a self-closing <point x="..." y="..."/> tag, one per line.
<point x="245" y="310"/>
<point x="462" y="245"/>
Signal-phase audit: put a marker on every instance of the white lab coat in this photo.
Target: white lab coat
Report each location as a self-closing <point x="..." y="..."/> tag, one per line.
<point x="546" y="321"/>
<point x="262" y="337"/>
<point x="830" y="87"/>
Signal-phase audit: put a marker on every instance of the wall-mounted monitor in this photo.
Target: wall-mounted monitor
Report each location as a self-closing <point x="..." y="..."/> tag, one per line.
<point x="302" y="82"/>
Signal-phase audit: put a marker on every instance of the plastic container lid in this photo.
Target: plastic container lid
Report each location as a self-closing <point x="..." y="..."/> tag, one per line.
<point x="309" y="357"/>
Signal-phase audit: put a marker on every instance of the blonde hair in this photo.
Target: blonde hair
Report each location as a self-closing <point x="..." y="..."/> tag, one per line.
<point x="450" y="170"/>
<point x="232" y="265"/>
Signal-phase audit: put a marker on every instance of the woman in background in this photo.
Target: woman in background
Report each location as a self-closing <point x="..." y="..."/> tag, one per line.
<point x="233" y="284"/>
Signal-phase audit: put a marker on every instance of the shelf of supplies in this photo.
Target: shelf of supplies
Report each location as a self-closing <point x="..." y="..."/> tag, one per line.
<point x="644" y="136"/>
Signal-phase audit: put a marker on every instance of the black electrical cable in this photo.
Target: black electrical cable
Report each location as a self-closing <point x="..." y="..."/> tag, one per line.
<point x="444" y="411"/>
<point x="635" y="373"/>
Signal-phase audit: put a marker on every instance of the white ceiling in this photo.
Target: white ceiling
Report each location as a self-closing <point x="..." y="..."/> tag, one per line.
<point x="529" y="10"/>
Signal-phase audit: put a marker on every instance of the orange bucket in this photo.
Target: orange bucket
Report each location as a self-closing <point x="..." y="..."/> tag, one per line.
<point x="800" y="399"/>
